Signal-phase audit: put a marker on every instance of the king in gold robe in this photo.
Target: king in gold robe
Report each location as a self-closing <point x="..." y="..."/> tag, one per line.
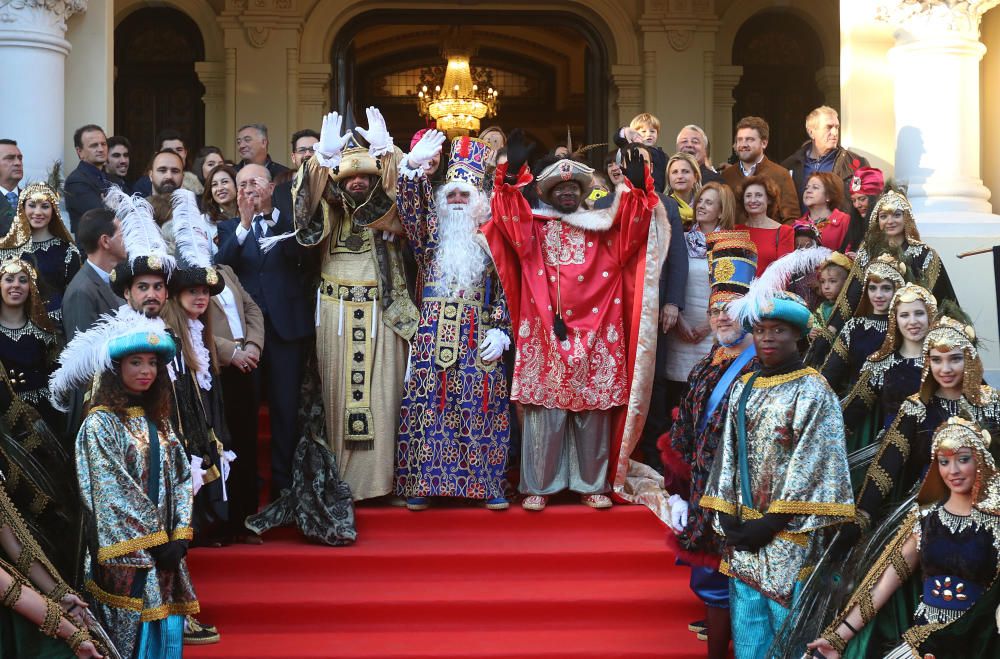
<point x="365" y="311"/>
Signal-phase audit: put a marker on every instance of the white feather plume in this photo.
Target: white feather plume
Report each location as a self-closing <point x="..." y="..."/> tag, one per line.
<point x="193" y="247"/>
<point x="776" y="278"/>
<point x="87" y="354"/>
<point x="140" y="233"/>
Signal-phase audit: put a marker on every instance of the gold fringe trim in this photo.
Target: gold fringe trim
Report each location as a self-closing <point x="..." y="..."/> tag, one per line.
<point x="800" y="539"/>
<point x="723" y="506"/>
<point x="117" y="601"/>
<point x="133" y="412"/>
<point x="105" y="554"/>
<point x="174" y="609"/>
<point x="812" y="508"/>
<point x="135" y="604"/>
<point x="775" y="380"/>
<point x="182" y="533"/>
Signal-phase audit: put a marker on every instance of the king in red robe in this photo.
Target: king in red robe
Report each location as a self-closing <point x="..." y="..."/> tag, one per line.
<point x="581" y="287"/>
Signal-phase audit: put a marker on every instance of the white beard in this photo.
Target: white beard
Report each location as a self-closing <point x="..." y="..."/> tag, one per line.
<point x="459" y="257"/>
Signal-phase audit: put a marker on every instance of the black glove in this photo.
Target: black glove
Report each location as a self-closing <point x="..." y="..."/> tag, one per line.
<point x="756" y="533"/>
<point x="847" y="538"/>
<point x="731" y="528"/>
<point x="518" y="150"/>
<point x="168" y="555"/>
<point x="634" y="167"/>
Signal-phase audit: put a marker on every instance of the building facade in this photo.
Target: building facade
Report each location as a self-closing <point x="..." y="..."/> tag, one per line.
<point x="914" y="81"/>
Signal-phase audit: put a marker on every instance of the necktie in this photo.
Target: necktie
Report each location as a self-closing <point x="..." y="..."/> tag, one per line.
<point x="12" y="199"/>
<point x="258" y="227"/>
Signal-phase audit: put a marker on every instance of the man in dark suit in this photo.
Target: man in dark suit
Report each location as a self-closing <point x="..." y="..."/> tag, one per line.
<point x="277" y="282"/>
<point x="252" y="143"/>
<point x="89" y="293"/>
<point x="86" y="185"/>
<point x="11" y="173"/>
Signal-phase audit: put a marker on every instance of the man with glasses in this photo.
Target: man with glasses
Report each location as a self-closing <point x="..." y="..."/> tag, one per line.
<point x="303" y="142"/>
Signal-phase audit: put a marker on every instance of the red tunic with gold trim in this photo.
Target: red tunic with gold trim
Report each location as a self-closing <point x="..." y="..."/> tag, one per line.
<point x="575" y="265"/>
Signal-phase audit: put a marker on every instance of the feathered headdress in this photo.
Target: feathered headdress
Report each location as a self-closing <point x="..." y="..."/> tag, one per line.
<point x="194" y="247"/>
<point x="754" y="305"/>
<point x="92" y="352"/>
<point x="147" y="251"/>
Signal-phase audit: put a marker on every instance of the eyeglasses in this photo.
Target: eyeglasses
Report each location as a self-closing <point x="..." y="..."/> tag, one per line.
<point x="303" y="150"/>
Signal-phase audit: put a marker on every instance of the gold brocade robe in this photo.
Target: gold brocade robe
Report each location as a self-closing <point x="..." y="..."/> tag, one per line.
<point x="797" y="465"/>
<point x="365" y="316"/>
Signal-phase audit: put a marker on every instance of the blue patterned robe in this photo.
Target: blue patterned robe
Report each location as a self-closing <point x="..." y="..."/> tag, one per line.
<point x="797" y="465"/>
<point x="112" y="461"/>
<point x="454" y="424"/>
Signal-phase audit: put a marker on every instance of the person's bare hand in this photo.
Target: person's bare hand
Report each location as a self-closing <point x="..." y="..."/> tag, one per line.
<point x="253" y="354"/>
<point x="243" y="361"/>
<point x="246" y="206"/>
<point x="813" y="333"/>
<point x="87" y="650"/>
<point x="824" y="648"/>
<point x="685" y="331"/>
<point x="632" y="135"/>
<point x="668" y="317"/>
<point x="73" y="607"/>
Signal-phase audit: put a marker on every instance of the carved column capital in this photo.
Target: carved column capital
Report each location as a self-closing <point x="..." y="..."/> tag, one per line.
<point x="921" y="17"/>
<point x="38" y="15"/>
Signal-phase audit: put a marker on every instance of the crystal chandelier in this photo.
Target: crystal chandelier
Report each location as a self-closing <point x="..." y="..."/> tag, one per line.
<point x="458" y="102"/>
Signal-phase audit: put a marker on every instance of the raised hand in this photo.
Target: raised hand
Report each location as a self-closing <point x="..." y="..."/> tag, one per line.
<point x="377" y="135"/>
<point x="634" y="167"/>
<point x="331" y="141"/>
<point x="425" y="149"/>
<point x="518" y="150"/>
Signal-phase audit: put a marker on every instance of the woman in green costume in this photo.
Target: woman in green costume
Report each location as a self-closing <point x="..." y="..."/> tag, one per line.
<point x="889" y="375"/>
<point x="950" y="541"/>
<point x="41" y="616"/>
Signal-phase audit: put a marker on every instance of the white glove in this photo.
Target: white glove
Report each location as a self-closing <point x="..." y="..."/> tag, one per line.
<point x="494" y="344"/>
<point x="425" y="149"/>
<point x="678" y="513"/>
<point x="331" y="141"/>
<point x="379" y="140"/>
<point x="197" y="474"/>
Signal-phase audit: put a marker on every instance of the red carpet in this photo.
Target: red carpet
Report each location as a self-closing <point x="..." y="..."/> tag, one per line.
<point x="455" y="582"/>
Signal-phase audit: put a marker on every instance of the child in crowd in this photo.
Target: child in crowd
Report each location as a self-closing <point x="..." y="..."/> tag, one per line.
<point x="805" y="285"/>
<point x="806" y="234"/>
<point x="645" y="129"/>
<point x="831" y="277"/>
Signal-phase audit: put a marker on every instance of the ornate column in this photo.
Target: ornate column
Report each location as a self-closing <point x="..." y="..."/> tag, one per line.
<point x="314" y="94"/>
<point x="213" y="76"/>
<point x="936" y="68"/>
<point x="33" y="49"/>
<point x="628" y="81"/>
<point x="724" y="81"/>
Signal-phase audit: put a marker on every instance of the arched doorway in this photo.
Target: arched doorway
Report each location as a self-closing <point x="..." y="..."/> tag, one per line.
<point x="780" y="55"/>
<point x="551" y="77"/>
<point x="156" y="86"/>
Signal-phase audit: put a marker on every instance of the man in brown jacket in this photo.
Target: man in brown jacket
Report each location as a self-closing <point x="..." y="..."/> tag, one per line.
<point x="238" y="326"/>
<point x="752" y="134"/>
